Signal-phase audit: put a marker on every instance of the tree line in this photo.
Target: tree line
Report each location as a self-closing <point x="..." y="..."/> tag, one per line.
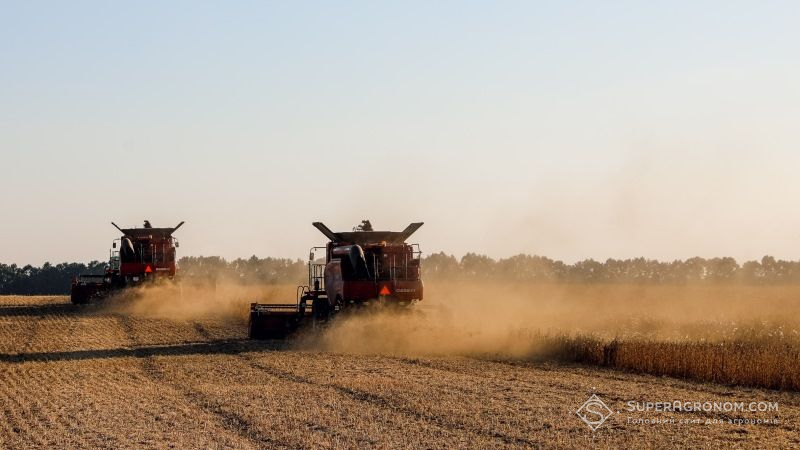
<point x="48" y="279"/>
<point x="55" y="279"/>
<point x="635" y="270"/>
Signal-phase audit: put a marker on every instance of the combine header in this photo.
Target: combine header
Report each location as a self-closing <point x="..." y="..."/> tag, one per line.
<point x="141" y="255"/>
<point x="360" y="268"/>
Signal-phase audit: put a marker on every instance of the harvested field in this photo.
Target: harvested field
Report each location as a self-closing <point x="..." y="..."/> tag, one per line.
<point x="89" y="377"/>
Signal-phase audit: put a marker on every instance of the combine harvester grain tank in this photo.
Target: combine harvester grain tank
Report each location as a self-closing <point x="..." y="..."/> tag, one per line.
<point x="361" y="268"/>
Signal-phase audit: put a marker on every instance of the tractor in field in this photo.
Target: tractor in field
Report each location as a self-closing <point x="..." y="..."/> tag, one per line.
<point x="358" y="269"/>
<point x="139" y="256"/>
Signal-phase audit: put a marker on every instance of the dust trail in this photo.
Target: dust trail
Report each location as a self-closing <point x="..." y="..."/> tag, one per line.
<point x="504" y="319"/>
<point x="193" y="301"/>
<point x="511" y="319"/>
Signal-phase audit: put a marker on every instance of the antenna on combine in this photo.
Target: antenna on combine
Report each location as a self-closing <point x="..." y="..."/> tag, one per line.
<point x="366" y="225"/>
<point x="115" y="226"/>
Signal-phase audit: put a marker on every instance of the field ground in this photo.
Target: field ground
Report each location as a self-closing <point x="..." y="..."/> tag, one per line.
<point x="83" y="377"/>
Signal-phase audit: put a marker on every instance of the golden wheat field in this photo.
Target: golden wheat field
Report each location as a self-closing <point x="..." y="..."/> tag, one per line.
<point x="482" y="366"/>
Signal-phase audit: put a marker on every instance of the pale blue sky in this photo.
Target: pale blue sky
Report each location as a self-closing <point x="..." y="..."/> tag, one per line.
<point x="568" y="129"/>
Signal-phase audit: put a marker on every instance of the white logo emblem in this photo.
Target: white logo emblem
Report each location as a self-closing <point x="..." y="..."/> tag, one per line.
<point x="594" y="412"/>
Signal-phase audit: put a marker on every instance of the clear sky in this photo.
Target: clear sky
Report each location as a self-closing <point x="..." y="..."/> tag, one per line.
<point x="567" y="129"/>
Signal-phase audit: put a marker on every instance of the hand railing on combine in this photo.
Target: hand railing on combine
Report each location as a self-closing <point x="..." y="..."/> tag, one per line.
<point x="316" y="276"/>
<point x="316" y="271"/>
<point x="416" y="252"/>
<point x="113" y="260"/>
<point x="400" y="269"/>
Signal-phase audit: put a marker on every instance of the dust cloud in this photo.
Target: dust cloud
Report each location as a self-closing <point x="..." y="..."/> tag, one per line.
<point x="501" y="319"/>
<point x="516" y="320"/>
<point x="184" y="301"/>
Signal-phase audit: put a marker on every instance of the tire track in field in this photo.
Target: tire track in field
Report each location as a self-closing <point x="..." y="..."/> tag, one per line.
<point x="59" y="394"/>
<point x="475" y="373"/>
<point x="39" y="414"/>
<point x="16" y="411"/>
<point x="389" y="404"/>
<point x="92" y="392"/>
<point x="234" y="349"/>
<point x="550" y="388"/>
<point x="29" y="335"/>
<point x="230" y="421"/>
<point x="24" y="385"/>
<point x="366" y="397"/>
<point x="19" y="417"/>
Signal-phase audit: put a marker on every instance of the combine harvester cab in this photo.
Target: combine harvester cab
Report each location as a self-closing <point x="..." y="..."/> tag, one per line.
<point x="141" y="255"/>
<point x="361" y="268"/>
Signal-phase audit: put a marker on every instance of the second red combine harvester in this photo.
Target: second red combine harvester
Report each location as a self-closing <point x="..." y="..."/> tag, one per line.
<point x="145" y="255"/>
<point x="361" y="268"/>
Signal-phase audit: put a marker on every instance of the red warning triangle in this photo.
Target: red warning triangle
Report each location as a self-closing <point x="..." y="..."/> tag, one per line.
<point x="385" y="290"/>
<point x="148" y="269"/>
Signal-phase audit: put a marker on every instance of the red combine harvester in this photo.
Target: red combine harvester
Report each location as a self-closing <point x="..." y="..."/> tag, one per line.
<point x="145" y="255"/>
<point x="361" y="267"/>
